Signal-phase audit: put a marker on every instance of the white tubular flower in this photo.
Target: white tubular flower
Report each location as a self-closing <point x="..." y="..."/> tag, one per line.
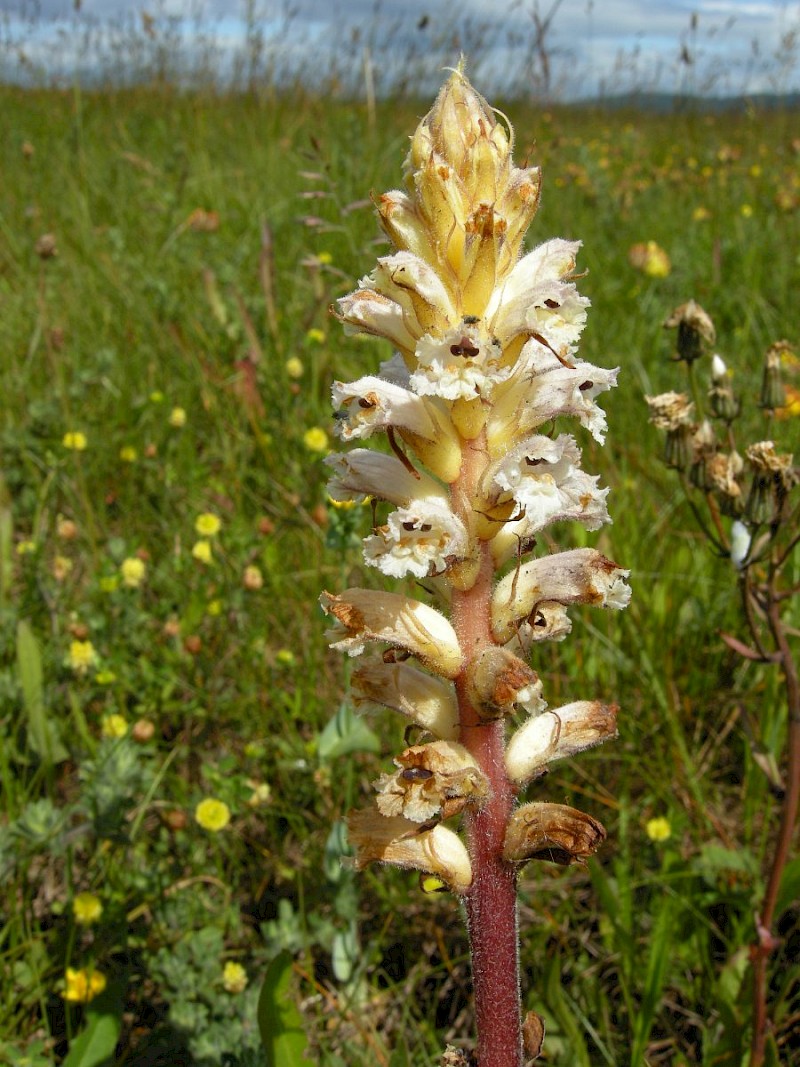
<point x="426" y="700"/>
<point x="558" y="734"/>
<point x="535" y="300"/>
<point x="437" y="779"/>
<point x="463" y="364"/>
<point x="368" y="311"/>
<point x="423" y="539"/>
<point x="579" y="576"/>
<point x="363" y="615"/>
<point x="417" y="288"/>
<point x="403" y="843"/>
<point x="542" y="388"/>
<point x="371" y="404"/>
<point x="364" y="473"/>
<point x="544" y="479"/>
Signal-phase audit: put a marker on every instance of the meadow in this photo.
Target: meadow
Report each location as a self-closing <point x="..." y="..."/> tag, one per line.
<point x="177" y="749"/>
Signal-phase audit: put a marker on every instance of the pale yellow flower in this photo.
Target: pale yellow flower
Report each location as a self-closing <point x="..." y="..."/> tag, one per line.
<point x="315" y="336"/>
<point x="208" y="524"/>
<point x="25" y="548"/>
<point x="285" y="656"/>
<point x="650" y="258"/>
<point x="62" y="565"/>
<point x="202" y="551"/>
<point x="105" y="677"/>
<point x="83" y="986"/>
<point x="86" y="908"/>
<point x="658" y="829"/>
<point x="128" y="454"/>
<point x="252" y="577"/>
<point x="294" y="367"/>
<point x="75" y="441"/>
<point x="133" y="571"/>
<point x="82" y="656"/>
<point x="746" y="211"/>
<point x="213" y="815"/>
<point x="114" y="726"/>
<point x="234" y="977"/>
<point x="214" y="608"/>
<point x="315" y="439"/>
<point x="157" y="397"/>
<point x="109" y="583"/>
<point x="177" y="418"/>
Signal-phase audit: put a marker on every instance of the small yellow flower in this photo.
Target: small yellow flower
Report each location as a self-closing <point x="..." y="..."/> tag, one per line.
<point x="177" y="418"/>
<point x="294" y="367"/>
<point x="86" y="908"/>
<point x="109" y="583"/>
<point x="214" y="608"/>
<point x="755" y="170"/>
<point x="315" y="439"/>
<point x="114" y="726"/>
<point x="62" y="565"/>
<point x="128" y="454"/>
<point x="746" y="211"/>
<point x="156" y="397"/>
<point x="315" y="336"/>
<point x="261" y="793"/>
<point x="133" y="571"/>
<point x="82" y="656"/>
<point x="208" y="524"/>
<point x="213" y="815"/>
<point x="701" y="214"/>
<point x="75" y="441"/>
<point x="252" y="578"/>
<point x="650" y="258"/>
<point x="792" y="406"/>
<point x="105" y="678"/>
<point x="234" y="977"/>
<point x="202" y="551"/>
<point x="25" y="548"/>
<point x="285" y="657"/>
<point x="83" y="986"/>
<point x="658" y="829"/>
<point x="325" y="258"/>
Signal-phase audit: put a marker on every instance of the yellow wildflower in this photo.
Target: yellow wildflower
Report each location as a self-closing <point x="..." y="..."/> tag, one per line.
<point x="86" y="908"/>
<point x="792" y="406"/>
<point x="701" y="214"/>
<point x="25" y="548"/>
<point x="325" y="258"/>
<point x="746" y="211"/>
<point x="177" y="418"/>
<point x="294" y="367"/>
<point x="252" y="577"/>
<point x="105" y="678"/>
<point x="128" y="454"/>
<point x="212" y="814"/>
<point x="285" y="657"/>
<point x="82" y="656"/>
<point x="62" y="565"/>
<point x="75" y="441"/>
<point x="114" y="726"/>
<point x="109" y="583"/>
<point x="214" y="608"/>
<point x="156" y="397"/>
<point x="658" y="829"/>
<point x="650" y="258"/>
<point x="208" y="524"/>
<point x="234" y="977"/>
<point x="83" y="986"/>
<point x="315" y="439"/>
<point x="202" y="551"/>
<point x="133" y="571"/>
<point x="315" y="336"/>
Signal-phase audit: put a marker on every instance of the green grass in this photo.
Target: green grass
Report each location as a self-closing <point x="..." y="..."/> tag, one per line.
<point x="639" y="959"/>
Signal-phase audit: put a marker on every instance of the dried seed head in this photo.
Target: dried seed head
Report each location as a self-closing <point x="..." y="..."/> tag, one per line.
<point x="696" y="331"/>
<point x="773" y="393"/>
<point x="670" y="411"/>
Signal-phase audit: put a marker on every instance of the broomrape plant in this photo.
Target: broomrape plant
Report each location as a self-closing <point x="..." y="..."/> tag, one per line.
<point x="485" y="363"/>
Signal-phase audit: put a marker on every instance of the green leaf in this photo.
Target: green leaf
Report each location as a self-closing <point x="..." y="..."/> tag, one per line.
<point x="655" y="973"/>
<point x="345" y="733"/>
<point x="279" y="1021"/>
<point x="562" y="1009"/>
<point x="94" y="1046"/>
<point x="42" y="735"/>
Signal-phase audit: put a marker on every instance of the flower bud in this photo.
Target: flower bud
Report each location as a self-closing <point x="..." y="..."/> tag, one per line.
<point x="773" y="394"/>
<point x="695" y="331"/>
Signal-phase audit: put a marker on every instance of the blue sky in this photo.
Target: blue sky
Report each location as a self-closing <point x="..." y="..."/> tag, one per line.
<point x="593" y="46"/>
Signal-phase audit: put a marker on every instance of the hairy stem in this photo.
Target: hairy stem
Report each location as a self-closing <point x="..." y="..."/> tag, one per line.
<point x="791" y="801"/>
<point x="491" y="902"/>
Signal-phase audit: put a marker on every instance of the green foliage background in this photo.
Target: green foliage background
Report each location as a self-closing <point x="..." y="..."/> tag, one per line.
<point x="162" y="295"/>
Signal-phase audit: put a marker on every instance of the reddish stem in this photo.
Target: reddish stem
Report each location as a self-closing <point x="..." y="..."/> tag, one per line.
<point x="791" y="801"/>
<point x="491" y="902"/>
